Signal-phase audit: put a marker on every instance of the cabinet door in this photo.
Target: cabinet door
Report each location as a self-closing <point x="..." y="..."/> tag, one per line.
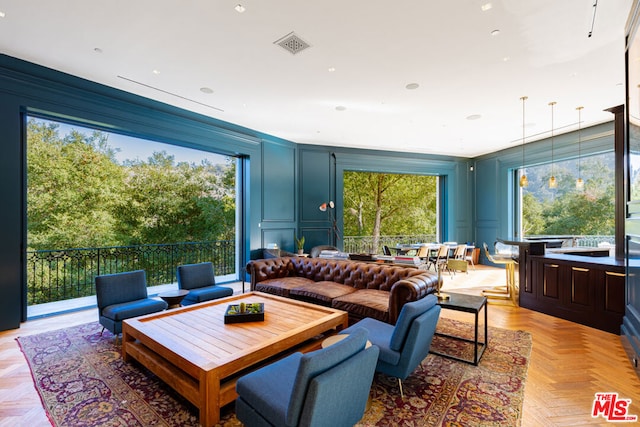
<point x="614" y="286"/>
<point x="582" y="289"/>
<point x="551" y="280"/>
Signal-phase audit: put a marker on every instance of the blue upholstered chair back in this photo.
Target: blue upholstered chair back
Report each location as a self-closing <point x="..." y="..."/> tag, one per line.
<point x="120" y="288"/>
<point x="193" y="276"/>
<point x="319" y="362"/>
<point x="408" y="314"/>
<point x="324" y="388"/>
<point x="403" y="346"/>
<point x="417" y="343"/>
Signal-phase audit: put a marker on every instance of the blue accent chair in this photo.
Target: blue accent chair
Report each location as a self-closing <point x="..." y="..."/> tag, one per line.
<point x="200" y="281"/>
<point x="327" y="387"/>
<point x="403" y="346"/>
<point x="123" y="296"/>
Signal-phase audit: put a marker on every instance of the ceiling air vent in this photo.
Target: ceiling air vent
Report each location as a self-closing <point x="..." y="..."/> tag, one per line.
<point x="292" y="43"/>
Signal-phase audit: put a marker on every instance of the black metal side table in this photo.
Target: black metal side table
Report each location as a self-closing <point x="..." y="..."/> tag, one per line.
<point x="468" y="304"/>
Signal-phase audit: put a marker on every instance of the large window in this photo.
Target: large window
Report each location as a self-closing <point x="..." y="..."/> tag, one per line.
<point x="386" y="209"/>
<point x="568" y="210"/>
<point x="101" y="202"/>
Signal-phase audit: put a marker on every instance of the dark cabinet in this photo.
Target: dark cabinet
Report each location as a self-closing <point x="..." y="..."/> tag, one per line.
<point x="586" y="292"/>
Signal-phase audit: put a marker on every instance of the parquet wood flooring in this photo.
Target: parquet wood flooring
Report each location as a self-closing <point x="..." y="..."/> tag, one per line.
<point x="569" y="362"/>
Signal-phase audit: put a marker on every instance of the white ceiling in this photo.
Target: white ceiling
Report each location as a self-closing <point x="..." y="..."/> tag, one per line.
<point x="377" y="47"/>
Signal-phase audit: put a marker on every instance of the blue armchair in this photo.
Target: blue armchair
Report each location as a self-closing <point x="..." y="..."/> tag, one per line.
<point x="327" y="387"/>
<point x="200" y="281"/>
<point x="403" y="346"/>
<point x="123" y="296"/>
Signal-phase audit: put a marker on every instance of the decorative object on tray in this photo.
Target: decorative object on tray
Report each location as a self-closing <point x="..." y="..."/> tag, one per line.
<point x="244" y="312"/>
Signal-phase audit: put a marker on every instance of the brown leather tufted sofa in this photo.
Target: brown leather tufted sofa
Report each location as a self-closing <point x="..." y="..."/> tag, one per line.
<point x="362" y="289"/>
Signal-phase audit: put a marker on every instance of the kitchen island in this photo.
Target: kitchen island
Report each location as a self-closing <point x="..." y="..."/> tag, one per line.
<point x="584" y="285"/>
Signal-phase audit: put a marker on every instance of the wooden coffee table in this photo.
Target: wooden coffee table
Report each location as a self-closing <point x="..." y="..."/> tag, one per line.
<point x="198" y="355"/>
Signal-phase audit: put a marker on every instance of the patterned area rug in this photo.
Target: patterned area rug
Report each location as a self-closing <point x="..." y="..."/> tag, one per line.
<point x="83" y="381"/>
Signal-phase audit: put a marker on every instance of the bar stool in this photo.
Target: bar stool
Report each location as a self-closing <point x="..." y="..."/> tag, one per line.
<point x="510" y="291"/>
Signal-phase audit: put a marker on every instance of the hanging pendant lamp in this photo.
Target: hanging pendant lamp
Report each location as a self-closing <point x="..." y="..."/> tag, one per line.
<point x="553" y="183"/>
<point x="524" y="181"/>
<point x="579" y="181"/>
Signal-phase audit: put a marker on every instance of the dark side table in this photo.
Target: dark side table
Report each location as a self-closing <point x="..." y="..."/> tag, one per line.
<point x="469" y="304"/>
<point x="174" y="298"/>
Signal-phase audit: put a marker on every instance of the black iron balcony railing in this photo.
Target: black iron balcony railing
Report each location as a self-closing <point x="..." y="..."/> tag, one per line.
<point x="56" y="275"/>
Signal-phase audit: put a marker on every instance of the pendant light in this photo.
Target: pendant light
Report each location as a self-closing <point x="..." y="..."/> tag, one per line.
<point x="524" y="181"/>
<point x="579" y="181"/>
<point x="553" y="183"/>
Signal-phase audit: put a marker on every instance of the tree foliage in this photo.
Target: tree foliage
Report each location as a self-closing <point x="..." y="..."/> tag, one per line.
<point x="567" y="210"/>
<point x="389" y="204"/>
<point x="73" y="187"/>
<point x="80" y="196"/>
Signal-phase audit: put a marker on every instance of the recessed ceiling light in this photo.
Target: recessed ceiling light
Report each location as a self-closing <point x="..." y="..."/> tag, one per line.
<point x="474" y="117"/>
<point x="412" y="86"/>
<point x="2" y="14"/>
<point x="331" y="69"/>
<point x="506" y="59"/>
<point x="156" y="72"/>
<point x="495" y="32"/>
<point x="206" y="90"/>
<point x="486" y="7"/>
<point x="240" y="8"/>
<point x="341" y="108"/>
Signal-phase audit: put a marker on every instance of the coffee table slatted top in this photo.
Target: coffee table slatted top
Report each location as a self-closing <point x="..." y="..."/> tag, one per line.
<point x="198" y="334"/>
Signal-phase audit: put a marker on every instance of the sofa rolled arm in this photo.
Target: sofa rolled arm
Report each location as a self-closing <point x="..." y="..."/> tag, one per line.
<point x="271" y="268"/>
<point x="410" y="289"/>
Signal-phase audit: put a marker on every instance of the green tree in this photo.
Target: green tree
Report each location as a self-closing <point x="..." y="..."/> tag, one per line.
<point x="532" y="219"/>
<point x="73" y="185"/>
<point x="567" y="210"/>
<point x="389" y="204"/>
<point x="166" y="202"/>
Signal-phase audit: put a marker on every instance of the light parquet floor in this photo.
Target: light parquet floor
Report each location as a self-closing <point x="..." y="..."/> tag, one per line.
<point x="569" y="362"/>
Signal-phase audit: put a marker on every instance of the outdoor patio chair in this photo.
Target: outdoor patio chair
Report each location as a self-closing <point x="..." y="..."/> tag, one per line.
<point x="200" y="281"/>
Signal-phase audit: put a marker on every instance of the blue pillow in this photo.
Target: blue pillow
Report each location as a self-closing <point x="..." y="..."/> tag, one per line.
<point x="409" y="311"/>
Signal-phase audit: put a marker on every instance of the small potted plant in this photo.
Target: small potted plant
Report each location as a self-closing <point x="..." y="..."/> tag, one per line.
<point x="300" y="245"/>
